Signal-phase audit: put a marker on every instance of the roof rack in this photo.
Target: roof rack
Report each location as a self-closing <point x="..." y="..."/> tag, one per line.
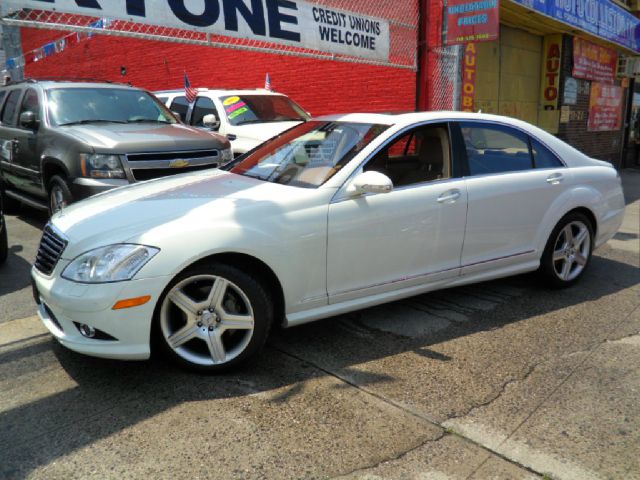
<point x="63" y="79"/>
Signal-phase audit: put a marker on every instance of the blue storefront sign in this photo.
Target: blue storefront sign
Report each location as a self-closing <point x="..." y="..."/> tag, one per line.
<point x="601" y="18"/>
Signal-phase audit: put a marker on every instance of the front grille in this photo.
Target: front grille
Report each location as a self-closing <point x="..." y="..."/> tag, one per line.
<point x="141" y="174"/>
<point x="51" y="247"/>
<point x="136" y="157"/>
<point x="145" y="166"/>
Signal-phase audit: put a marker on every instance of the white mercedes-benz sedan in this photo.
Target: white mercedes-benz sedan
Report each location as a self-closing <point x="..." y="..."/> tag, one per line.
<point x="333" y="215"/>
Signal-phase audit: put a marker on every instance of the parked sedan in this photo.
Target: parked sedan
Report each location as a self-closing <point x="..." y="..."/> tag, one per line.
<point x="336" y="214"/>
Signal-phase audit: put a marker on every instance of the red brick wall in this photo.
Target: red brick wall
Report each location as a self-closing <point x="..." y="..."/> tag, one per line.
<point x="320" y="86"/>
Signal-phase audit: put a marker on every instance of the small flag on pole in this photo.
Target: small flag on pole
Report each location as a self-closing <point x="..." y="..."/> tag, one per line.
<point x="267" y="83"/>
<point x="189" y="91"/>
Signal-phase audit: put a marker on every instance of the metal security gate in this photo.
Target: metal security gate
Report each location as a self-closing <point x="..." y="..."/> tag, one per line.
<point x="338" y="21"/>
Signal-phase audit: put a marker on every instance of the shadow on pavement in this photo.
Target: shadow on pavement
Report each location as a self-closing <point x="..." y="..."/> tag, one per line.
<point x="111" y="396"/>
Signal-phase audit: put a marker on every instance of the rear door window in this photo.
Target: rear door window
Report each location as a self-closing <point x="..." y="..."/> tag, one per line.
<point x="495" y="149"/>
<point x="10" y="107"/>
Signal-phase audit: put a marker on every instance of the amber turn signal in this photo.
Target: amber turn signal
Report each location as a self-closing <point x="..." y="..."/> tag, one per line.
<point x="131" y="302"/>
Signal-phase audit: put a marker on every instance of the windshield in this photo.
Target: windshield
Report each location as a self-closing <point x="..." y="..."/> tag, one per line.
<point x="245" y="109"/>
<point x="118" y="105"/>
<point x="308" y="155"/>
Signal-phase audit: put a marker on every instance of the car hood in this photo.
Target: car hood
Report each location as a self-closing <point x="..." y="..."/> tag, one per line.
<point x="176" y="203"/>
<point x="262" y="131"/>
<point x="143" y="137"/>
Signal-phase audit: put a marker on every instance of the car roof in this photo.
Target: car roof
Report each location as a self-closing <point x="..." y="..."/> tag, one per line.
<point x="47" y="83"/>
<point x="220" y="91"/>
<point x="407" y="118"/>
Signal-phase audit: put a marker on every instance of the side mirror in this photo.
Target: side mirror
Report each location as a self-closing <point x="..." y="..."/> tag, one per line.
<point x="370" y="182"/>
<point x="28" y="120"/>
<point x="211" y="121"/>
<point x="177" y="115"/>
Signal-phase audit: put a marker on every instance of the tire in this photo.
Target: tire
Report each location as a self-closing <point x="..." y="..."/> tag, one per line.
<point x="59" y="194"/>
<point x="4" y="243"/>
<point x="9" y="205"/>
<point x="212" y="318"/>
<point x="568" y="251"/>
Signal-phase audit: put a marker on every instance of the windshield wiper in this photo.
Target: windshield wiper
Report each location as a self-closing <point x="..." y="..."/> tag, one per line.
<point x="139" y="120"/>
<point x="259" y="177"/>
<point x="94" y="120"/>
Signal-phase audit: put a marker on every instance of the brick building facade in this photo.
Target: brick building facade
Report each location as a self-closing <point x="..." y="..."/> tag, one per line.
<point x="320" y="86"/>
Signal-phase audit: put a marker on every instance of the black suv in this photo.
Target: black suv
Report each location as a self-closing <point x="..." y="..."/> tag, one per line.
<point x="61" y="141"/>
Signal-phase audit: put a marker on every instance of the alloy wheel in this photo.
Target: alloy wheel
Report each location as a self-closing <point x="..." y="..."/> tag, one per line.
<point x="207" y="320"/>
<point x="571" y="250"/>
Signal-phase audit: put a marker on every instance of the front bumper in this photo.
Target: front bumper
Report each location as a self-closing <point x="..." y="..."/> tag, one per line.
<point x="62" y="302"/>
<point x="85" y="187"/>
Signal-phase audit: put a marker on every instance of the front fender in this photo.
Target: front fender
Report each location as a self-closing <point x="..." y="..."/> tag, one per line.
<point x="294" y="251"/>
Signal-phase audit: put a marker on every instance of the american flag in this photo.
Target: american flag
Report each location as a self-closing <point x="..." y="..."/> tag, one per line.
<point x="267" y="83"/>
<point x="189" y="91"/>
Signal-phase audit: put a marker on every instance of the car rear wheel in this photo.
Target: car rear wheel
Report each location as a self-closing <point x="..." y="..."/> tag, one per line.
<point x="59" y="194"/>
<point x="213" y="317"/>
<point x="4" y="243"/>
<point x="9" y="204"/>
<point x="568" y="251"/>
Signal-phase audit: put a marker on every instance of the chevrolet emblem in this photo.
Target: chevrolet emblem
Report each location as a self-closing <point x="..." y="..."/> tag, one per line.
<point x="179" y="163"/>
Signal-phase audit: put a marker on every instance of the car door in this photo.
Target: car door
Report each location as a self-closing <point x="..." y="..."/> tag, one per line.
<point x="412" y="235"/>
<point x="11" y="172"/>
<point x="27" y="159"/>
<point x="508" y="196"/>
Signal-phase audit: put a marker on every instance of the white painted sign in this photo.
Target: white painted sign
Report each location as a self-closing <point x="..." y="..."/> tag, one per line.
<point x="296" y="23"/>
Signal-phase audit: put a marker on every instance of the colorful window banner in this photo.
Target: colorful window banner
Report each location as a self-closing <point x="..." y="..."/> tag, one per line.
<point x="475" y="21"/>
<point x="593" y="62"/>
<point x="601" y="18"/>
<point x="469" y="69"/>
<point x="605" y="108"/>
<point x="551" y="60"/>
<point x="296" y="23"/>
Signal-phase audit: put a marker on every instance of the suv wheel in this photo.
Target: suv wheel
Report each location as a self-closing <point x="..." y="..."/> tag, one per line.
<point x="4" y="244"/>
<point x="9" y="204"/>
<point x="59" y="194"/>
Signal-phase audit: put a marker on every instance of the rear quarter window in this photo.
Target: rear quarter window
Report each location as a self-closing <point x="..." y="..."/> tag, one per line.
<point x="543" y="157"/>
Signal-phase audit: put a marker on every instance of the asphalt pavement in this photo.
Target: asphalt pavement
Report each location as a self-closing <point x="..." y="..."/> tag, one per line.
<point x="501" y="380"/>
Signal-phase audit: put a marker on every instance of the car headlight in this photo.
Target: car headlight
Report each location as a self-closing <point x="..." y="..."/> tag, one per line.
<point x="97" y="165"/>
<point x="113" y="263"/>
<point x="226" y="156"/>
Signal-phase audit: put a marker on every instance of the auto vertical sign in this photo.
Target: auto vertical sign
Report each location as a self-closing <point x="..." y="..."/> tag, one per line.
<point x="469" y="70"/>
<point x="296" y="23"/>
<point x="550" y="84"/>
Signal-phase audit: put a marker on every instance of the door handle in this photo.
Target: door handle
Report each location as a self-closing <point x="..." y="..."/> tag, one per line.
<point x="450" y="196"/>
<point x="555" y="178"/>
<point x="15" y="145"/>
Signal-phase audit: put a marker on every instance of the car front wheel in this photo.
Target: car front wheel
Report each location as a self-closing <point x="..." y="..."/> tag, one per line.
<point x="59" y="194"/>
<point x="213" y="317"/>
<point x="568" y="250"/>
